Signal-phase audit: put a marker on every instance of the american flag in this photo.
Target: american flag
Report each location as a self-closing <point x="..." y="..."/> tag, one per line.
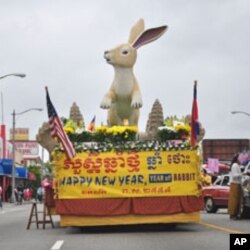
<point x="195" y="128"/>
<point x="56" y="128"/>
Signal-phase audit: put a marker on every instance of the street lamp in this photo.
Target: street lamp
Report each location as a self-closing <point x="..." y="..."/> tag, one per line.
<point x="14" y="74"/>
<point x="240" y="112"/>
<point x="13" y="175"/>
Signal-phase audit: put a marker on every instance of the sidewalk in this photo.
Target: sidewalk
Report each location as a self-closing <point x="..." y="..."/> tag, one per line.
<point x="8" y="205"/>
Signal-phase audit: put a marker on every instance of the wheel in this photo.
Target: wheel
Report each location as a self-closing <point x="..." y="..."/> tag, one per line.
<point x="210" y="207"/>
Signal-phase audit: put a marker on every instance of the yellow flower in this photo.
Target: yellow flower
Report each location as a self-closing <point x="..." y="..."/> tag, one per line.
<point x="117" y="130"/>
<point x="101" y="129"/>
<point x="183" y="127"/>
<point x="109" y="130"/>
<point x="69" y="130"/>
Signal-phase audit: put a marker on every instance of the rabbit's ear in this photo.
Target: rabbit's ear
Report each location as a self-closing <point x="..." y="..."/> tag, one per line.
<point x="136" y="30"/>
<point x="149" y="36"/>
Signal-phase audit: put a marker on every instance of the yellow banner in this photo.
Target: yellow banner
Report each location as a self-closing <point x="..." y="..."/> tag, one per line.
<point x="128" y="174"/>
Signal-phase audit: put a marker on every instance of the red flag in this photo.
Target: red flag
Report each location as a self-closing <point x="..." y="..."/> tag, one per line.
<point x="195" y="129"/>
<point x="56" y="128"/>
<point x="91" y="126"/>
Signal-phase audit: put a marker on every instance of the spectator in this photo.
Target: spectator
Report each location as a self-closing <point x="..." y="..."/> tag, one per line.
<point x="27" y="193"/>
<point x="206" y="179"/>
<point x="39" y="194"/>
<point x="8" y="193"/>
<point x="20" y="194"/>
<point x="16" y="193"/>
<point x="235" y="192"/>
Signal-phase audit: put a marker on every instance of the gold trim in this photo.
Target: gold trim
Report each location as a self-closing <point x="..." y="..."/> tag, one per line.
<point x="69" y="220"/>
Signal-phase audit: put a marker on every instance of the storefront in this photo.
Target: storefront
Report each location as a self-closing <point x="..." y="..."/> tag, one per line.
<point x="21" y="175"/>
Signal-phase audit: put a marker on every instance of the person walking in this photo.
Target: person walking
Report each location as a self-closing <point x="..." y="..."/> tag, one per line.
<point x="39" y="194"/>
<point x="235" y="191"/>
<point x="8" y="193"/>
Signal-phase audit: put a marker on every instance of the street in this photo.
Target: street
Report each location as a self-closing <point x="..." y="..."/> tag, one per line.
<point x="211" y="233"/>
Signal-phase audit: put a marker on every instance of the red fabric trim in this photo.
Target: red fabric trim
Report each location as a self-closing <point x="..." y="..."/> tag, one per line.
<point x="93" y="206"/>
<point x="157" y="205"/>
<point x="122" y="206"/>
<point x="168" y="205"/>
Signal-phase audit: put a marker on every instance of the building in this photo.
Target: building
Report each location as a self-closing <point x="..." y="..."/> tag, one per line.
<point x="223" y="149"/>
<point x="31" y="156"/>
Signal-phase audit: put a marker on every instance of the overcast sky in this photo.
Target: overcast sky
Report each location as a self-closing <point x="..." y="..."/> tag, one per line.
<point x="60" y="44"/>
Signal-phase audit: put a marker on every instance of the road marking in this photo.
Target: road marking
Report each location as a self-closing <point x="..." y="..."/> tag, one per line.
<point x="57" y="245"/>
<point x="224" y="229"/>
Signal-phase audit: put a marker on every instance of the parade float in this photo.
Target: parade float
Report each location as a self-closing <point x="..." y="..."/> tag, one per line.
<point x="120" y="175"/>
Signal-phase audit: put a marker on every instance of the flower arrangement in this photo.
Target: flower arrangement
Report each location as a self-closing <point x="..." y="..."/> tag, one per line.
<point x="128" y="146"/>
<point x="175" y="129"/>
<point x="173" y="136"/>
<point x="76" y="133"/>
<point x="115" y="133"/>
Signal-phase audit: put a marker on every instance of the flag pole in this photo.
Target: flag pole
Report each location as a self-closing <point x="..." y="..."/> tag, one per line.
<point x="194" y="117"/>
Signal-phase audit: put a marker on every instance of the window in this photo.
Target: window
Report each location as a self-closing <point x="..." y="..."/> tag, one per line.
<point x="225" y="181"/>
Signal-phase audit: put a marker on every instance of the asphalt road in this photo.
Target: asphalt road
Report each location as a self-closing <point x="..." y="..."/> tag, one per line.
<point x="212" y="233"/>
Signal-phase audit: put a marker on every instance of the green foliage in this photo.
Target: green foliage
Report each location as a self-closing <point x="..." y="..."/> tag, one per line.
<point x="36" y="170"/>
<point x="115" y="137"/>
<point x="169" y="120"/>
<point x="168" y="134"/>
<point x="175" y="129"/>
<point x="48" y="168"/>
<point x="113" y="134"/>
<point x="84" y="136"/>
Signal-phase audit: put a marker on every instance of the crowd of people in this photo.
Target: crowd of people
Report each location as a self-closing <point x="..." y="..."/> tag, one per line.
<point x="23" y="194"/>
<point x="26" y="192"/>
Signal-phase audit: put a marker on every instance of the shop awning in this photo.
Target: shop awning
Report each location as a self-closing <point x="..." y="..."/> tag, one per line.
<point x="21" y="172"/>
<point x="7" y="166"/>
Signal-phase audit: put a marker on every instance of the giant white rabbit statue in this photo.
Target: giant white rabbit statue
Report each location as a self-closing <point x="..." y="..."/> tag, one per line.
<point x="124" y="97"/>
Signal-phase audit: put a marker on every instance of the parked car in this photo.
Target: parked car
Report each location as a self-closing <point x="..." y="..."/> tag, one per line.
<point x="247" y="168"/>
<point x="216" y="195"/>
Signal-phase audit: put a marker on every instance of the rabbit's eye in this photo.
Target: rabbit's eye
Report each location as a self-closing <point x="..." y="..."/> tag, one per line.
<point x="124" y="52"/>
